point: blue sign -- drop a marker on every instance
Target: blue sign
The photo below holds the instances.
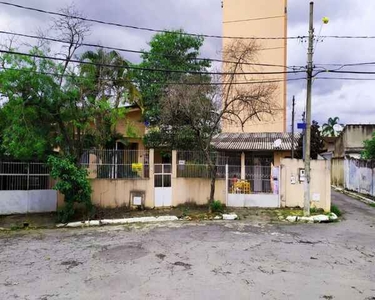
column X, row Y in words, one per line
column 301, row 125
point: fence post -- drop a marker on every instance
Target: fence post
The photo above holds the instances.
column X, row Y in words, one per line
column 243, row 171
column 174, row 163
column 28, row 177
column 226, row 184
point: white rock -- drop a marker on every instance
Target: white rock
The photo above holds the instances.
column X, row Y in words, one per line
column 119, row 221
column 333, row 216
column 320, row 218
column 231, row 216
column 218, row 217
column 291, row 218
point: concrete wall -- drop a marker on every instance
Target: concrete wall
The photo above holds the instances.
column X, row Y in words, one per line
column 271, row 52
column 196, row 190
column 22, row 202
column 292, row 195
column 116, row 193
column 337, row 172
column 360, row 176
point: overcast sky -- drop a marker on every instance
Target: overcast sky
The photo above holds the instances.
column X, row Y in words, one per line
column 352, row 101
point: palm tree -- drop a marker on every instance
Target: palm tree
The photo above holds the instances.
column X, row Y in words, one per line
column 105, row 84
column 110, row 82
column 328, row 129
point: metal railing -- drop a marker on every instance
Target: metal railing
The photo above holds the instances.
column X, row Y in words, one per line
column 193, row 164
column 116, row 164
column 24, row 176
column 257, row 180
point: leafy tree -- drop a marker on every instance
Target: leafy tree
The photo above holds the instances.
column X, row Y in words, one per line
column 328, row 129
column 53, row 106
column 169, row 51
column 317, row 144
column 369, row 151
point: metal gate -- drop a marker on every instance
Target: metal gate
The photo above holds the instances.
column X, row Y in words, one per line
column 255, row 190
column 163, row 185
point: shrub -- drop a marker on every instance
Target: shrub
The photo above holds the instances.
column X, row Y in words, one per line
column 335, row 210
column 73, row 183
column 217, row 206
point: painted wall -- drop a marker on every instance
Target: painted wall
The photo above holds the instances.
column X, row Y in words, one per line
column 116, row 193
column 196, row 190
column 292, row 195
column 22, row 202
column 278, row 156
column 271, row 52
column 337, row 172
column 131, row 125
column 360, row 176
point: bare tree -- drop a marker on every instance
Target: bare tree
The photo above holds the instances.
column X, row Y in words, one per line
column 203, row 103
column 72, row 30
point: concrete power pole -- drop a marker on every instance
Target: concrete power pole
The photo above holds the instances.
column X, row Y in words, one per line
column 306, row 206
column 293, row 106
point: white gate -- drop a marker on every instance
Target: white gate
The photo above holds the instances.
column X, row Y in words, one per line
column 163, row 185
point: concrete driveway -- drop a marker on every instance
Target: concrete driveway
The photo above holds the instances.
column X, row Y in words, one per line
column 195, row 261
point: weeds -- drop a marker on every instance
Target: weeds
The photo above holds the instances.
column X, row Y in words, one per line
column 336, row 210
column 316, row 211
column 217, row 206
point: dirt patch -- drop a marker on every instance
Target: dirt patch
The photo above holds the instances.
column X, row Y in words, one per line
column 123, row 253
column 182, row 264
column 45, row 220
column 161, row 256
column 70, row 264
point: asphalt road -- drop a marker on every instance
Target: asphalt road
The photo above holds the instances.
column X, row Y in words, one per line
column 195, row 261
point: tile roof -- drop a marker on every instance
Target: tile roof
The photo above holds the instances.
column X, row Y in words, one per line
column 254, row 141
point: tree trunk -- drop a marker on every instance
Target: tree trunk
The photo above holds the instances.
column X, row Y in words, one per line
column 212, row 187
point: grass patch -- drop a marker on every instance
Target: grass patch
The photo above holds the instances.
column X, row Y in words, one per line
column 316, row 211
column 217, row 207
column 372, row 204
column 336, row 210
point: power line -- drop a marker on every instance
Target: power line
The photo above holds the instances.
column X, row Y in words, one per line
column 145, row 28
column 146, row 69
column 346, row 78
column 138, row 51
column 348, row 37
column 254, row 19
column 151, row 82
column 351, row 72
column 349, row 64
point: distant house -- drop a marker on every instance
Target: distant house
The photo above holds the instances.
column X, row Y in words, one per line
column 350, row 141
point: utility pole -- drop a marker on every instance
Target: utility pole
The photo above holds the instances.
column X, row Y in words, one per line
column 303, row 135
column 293, row 106
column 306, row 206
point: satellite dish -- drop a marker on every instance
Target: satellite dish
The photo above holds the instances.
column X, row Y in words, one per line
column 277, row 143
column 337, row 128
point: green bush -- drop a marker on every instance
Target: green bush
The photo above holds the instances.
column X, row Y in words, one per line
column 73, row 183
column 217, row 206
column 336, row 211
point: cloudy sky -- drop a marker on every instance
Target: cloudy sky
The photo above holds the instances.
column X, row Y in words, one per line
column 352, row 101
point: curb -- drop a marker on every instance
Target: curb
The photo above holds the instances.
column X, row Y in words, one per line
column 354, row 195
